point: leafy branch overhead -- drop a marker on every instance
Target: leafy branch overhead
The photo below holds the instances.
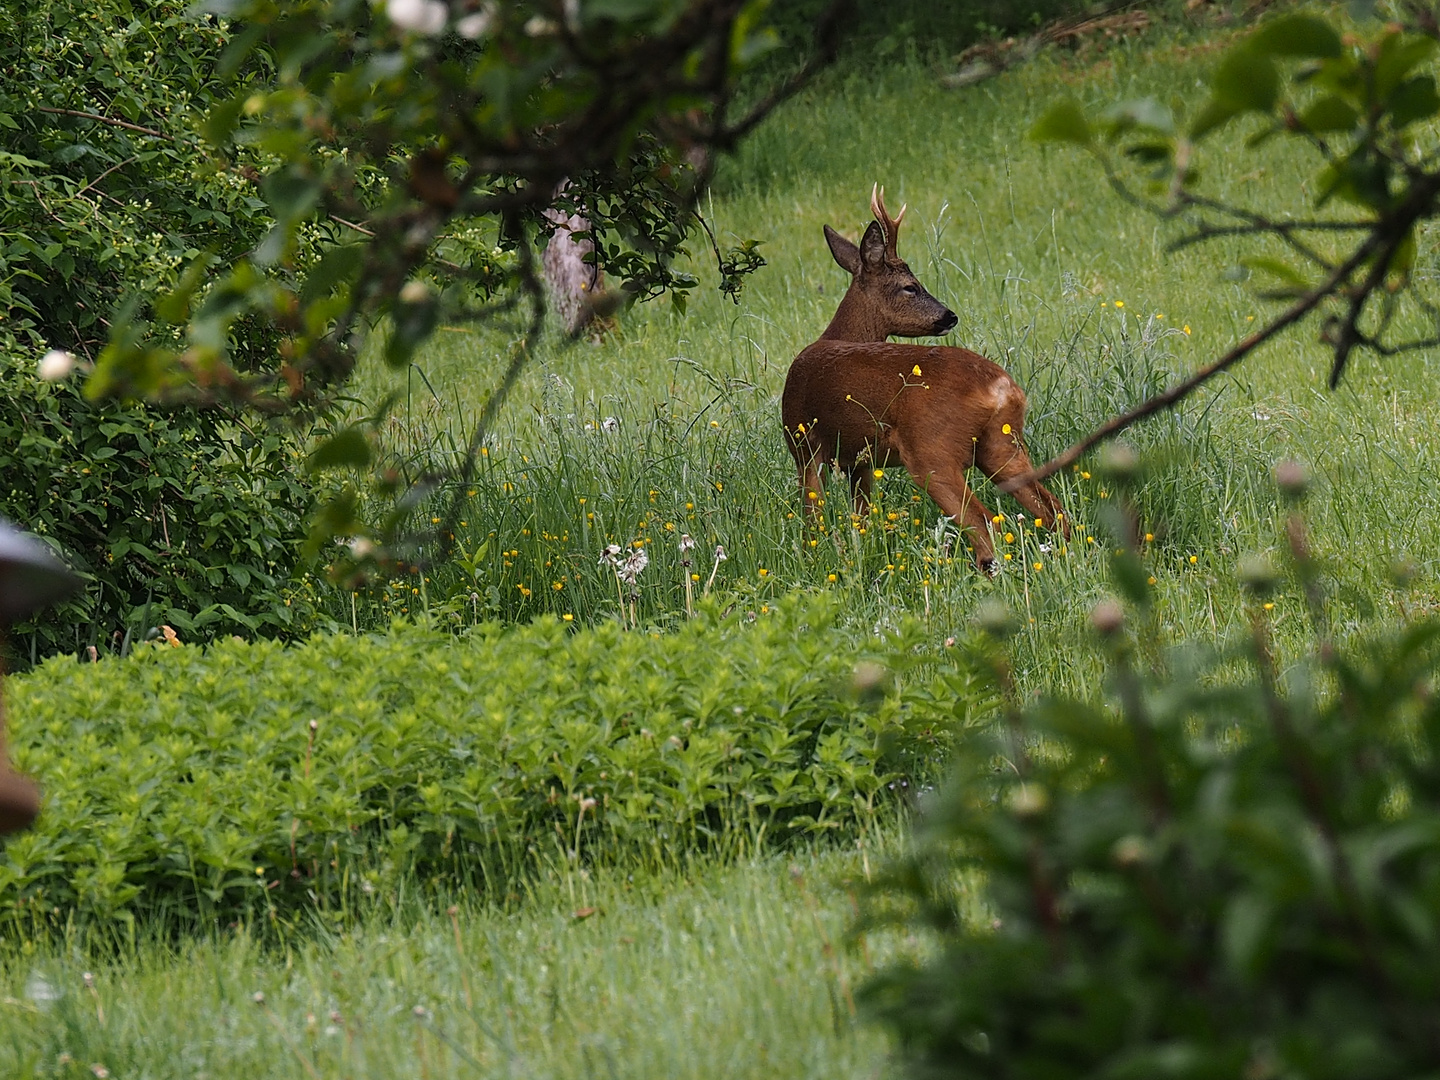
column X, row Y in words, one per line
column 408, row 153
column 1358, row 107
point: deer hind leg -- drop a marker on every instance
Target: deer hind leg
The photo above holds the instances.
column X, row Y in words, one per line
column 1002, row 458
column 952, row 494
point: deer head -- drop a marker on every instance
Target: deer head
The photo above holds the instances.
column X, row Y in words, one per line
column 884, row 299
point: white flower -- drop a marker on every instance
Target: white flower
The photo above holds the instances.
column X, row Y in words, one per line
column 719, row 553
column 477, row 24
column 427, row 17
column 610, row 424
column 609, row 555
column 56, row 365
column 686, row 542
column 633, row 566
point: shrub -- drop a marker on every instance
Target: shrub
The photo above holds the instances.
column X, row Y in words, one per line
column 223, row 781
column 189, row 515
column 108, row 187
column 1217, row 869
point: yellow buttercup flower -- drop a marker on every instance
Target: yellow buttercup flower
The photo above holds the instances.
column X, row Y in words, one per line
column 1005, row 429
column 915, row 370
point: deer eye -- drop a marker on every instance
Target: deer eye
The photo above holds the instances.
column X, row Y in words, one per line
column 909, row 290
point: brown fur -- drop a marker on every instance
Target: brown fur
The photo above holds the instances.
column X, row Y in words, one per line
column 853, row 400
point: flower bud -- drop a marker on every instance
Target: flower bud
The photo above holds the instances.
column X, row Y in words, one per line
column 995, row 619
column 1256, row 574
column 1291, row 479
column 1120, row 462
column 1107, row 617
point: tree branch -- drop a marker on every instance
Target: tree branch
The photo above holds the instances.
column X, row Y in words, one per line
column 107, row 120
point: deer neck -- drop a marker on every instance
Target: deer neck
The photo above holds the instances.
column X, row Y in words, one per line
column 855, row 320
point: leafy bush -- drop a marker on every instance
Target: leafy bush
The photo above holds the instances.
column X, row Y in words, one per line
column 195, row 783
column 109, row 189
column 108, row 186
column 1219, row 868
column 196, row 518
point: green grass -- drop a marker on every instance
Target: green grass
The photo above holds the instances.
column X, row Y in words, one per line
column 736, row 971
column 1035, row 254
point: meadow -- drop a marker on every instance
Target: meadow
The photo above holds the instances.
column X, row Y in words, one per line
column 668, row 425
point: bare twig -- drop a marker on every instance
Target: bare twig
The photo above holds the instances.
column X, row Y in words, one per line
column 107, row 120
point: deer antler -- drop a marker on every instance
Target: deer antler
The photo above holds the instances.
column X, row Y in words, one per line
column 889, row 224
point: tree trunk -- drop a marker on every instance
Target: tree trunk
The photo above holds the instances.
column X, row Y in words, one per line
column 571, row 280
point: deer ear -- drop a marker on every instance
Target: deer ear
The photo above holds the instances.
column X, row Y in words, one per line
column 872, row 247
column 846, row 253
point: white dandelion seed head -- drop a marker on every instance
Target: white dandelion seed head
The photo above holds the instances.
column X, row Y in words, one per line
column 720, row 555
column 424, row 17
column 609, row 425
column 633, row 566
column 56, row 365
column 609, row 555
column 687, row 543
column 41, row 990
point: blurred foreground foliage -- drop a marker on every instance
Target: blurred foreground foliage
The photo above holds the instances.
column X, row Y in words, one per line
column 1219, row 866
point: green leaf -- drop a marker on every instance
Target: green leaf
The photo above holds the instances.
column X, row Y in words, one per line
column 413, row 323
column 337, row 264
column 1330, row 113
column 1299, row 35
column 1215, row 114
column 1146, row 114
column 1414, row 99
column 1398, row 55
column 1247, row 81
column 220, row 121
column 1276, row 268
column 1063, row 122
column 345, row 449
column 1243, row 931
column 174, row 306
column 1403, row 261
column 291, row 193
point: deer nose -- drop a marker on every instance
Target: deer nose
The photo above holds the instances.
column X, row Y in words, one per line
column 946, row 322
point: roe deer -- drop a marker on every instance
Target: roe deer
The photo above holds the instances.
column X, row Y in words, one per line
column 858, row 402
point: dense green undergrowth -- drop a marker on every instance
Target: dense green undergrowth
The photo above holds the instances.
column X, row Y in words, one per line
column 246, row 779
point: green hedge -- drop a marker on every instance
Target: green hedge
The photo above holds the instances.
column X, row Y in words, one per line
column 186, row 782
column 190, row 516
